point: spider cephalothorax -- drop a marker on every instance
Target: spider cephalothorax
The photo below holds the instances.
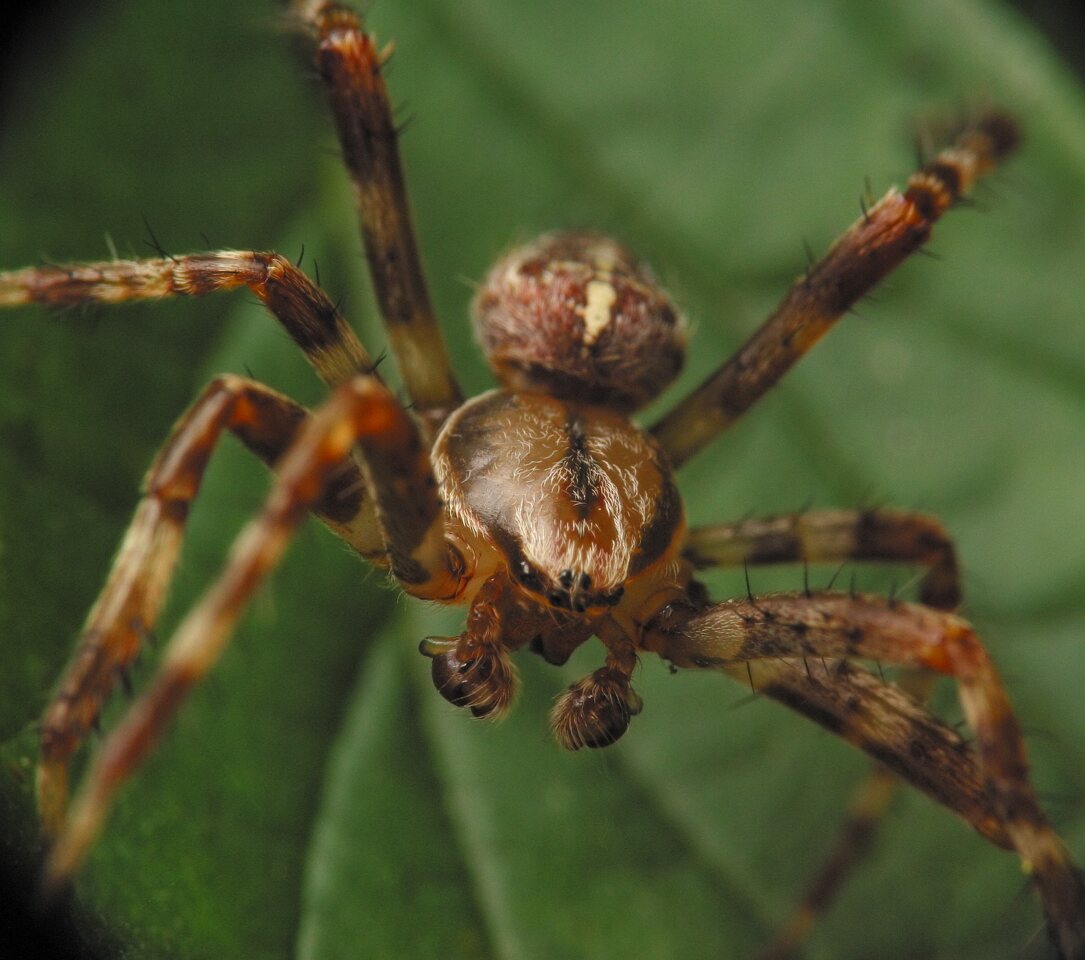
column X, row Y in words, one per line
column 569, row 511
column 541, row 506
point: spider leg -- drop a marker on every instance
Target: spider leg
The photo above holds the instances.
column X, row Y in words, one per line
column 834, row 536
column 772, row 633
column 886, row 234
column 868, row 806
column 350, row 66
column 128, row 607
column 303, row 309
column 361, row 412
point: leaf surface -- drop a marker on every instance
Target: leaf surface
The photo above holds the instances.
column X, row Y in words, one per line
column 316, row 797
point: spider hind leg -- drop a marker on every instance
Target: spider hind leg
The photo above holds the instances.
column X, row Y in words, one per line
column 362, row 412
column 127, row 609
column 991, row 788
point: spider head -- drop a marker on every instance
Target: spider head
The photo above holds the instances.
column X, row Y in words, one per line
column 577, row 316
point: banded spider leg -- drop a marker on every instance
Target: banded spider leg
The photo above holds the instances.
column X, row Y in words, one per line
column 836, row 537
column 799, row 650
column 886, row 234
column 385, row 507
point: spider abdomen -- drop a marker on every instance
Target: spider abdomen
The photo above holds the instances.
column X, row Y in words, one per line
column 576, row 501
column 579, row 316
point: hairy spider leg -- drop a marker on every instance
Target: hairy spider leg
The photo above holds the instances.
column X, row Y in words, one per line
column 129, row 604
column 776, row 631
column 265, row 421
column 350, row 66
column 304, row 310
column 837, row 536
column 886, row 235
column 396, row 521
column 392, row 516
column 361, row 412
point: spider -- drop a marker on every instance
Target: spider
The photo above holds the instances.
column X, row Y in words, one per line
column 561, row 595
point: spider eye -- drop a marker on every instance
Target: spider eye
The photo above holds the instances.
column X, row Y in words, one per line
column 578, row 316
column 528, row 575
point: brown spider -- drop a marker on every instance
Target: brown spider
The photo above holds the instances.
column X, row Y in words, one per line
column 543, row 509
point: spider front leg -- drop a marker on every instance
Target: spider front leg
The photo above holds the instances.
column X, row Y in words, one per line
column 350, row 66
column 361, row 412
column 301, row 307
column 776, row 639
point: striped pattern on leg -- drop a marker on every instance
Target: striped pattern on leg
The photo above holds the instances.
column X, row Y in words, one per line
column 350, row 65
column 876, row 244
column 129, row 604
column 782, row 628
column 363, row 412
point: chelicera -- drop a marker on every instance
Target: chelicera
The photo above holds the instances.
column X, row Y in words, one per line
column 541, row 507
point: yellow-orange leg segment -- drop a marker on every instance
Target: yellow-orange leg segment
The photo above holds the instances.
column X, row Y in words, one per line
column 362, row 411
column 788, row 630
column 350, row 66
column 886, row 235
column 128, row 606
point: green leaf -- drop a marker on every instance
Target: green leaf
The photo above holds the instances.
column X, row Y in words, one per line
column 317, row 797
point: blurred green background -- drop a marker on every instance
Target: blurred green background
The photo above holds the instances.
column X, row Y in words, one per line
column 317, row 798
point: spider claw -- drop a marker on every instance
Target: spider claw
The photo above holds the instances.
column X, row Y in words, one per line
column 436, row 646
